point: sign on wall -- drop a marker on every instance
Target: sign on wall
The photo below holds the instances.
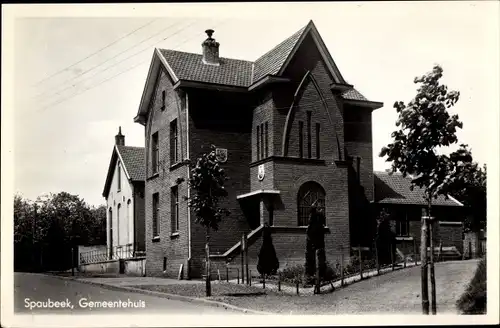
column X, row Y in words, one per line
column 261, row 172
column 221, row 154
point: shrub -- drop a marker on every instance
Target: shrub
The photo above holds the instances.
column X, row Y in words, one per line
column 268, row 261
column 290, row 274
column 473, row 300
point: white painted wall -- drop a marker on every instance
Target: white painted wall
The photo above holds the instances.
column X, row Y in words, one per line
column 122, row 218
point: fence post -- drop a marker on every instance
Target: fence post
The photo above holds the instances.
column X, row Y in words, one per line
column 404, row 260
column 263, row 281
column 238, row 275
column 440, row 250
column 470, row 249
column 376, row 258
column 218, row 273
column 243, row 259
column 341, row 266
column 248, row 273
column 392, row 256
column 297, row 284
column 227, row 274
column 360, row 262
column 279, row 281
column 249, row 278
column 317, row 286
column 415, row 251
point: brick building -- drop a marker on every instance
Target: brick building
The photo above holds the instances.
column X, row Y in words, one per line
column 392, row 193
column 295, row 132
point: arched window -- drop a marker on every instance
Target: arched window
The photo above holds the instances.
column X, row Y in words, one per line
column 129, row 218
column 110, row 240
column 309, row 194
column 118, row 208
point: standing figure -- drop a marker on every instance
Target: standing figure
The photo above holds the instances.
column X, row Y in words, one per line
column 315, row 241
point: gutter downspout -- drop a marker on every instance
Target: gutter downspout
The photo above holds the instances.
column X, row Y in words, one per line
column 188, row 175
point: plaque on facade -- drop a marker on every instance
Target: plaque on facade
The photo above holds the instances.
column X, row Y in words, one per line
column 261, row 172
column 221, row 154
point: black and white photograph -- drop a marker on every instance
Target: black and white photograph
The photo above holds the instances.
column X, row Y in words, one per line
column 248, row 164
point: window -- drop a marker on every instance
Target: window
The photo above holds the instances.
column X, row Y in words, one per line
column 110, row 233
column 266, row 137
column 174, row 209
column 262, row 141
column 309, row 150
column 155, row 156
column 403, row 226
column 310, row 193
column 118, row 209
column 156, row 214
column 163, row 100
column 174, row 153
column 258, row 142
column 301, row 139
column 119, row 177
column 164, row 264
column 317, row 142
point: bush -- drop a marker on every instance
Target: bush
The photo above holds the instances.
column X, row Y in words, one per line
column 290, row 274
column 268, row 262
column 473, row 300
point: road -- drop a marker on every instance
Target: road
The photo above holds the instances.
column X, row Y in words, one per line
column 77, row 298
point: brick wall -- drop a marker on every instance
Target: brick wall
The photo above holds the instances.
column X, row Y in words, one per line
column 172, row 247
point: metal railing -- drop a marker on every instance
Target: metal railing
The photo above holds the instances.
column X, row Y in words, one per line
column 111, row 253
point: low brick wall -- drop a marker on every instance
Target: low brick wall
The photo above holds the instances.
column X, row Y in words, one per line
column 131, row 267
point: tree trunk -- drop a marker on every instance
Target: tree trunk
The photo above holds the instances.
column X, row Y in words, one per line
column 433, row 280
column 207, row 255
column 423, row 259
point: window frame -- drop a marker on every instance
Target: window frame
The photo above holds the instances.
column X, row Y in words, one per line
column 174, row 209
column 155, row 153
column 301, row 139
column 318, row 144
column 156, row 215
column 310, row 188
column 174, row 142
column 258, row 142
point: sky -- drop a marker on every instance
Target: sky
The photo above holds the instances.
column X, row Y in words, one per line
column 79, row 72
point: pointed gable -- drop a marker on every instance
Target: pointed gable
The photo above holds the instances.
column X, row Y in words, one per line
column 133, row 163
column 272, row 61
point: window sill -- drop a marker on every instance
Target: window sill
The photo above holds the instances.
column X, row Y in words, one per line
column 174, row 235
column 156, row 239
column 177, row 165
column 157, row 174
column 404, row 238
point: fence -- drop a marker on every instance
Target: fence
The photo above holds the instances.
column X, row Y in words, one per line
column 362, row 262
column 114, row 253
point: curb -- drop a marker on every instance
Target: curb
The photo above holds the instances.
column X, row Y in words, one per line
column 166, row 295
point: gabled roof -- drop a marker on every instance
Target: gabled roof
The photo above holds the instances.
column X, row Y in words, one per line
column 395, row 189
column 271, row 62
column 188, row 67
column 133, row 162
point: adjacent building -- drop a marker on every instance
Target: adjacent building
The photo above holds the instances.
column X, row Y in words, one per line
column 124, row 193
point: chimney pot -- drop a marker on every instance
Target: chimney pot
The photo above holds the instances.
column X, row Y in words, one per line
column 210, row 49
column 120, row 138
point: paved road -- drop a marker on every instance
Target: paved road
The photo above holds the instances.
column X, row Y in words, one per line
column 41, row 288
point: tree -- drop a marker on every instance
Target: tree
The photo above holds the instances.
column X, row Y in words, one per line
column 46, row 229
column 385, row 237
column 207, row 181
column 268, row 261
column 424, row 127
column 315, row 241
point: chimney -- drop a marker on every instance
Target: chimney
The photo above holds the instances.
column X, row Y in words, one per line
column 210, row 50
column 120, row 138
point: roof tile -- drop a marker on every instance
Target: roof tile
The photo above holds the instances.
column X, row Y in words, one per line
column 395, row 189
column 134, row 161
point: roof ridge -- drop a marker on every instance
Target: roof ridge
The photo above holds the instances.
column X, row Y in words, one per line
column 197, row 54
